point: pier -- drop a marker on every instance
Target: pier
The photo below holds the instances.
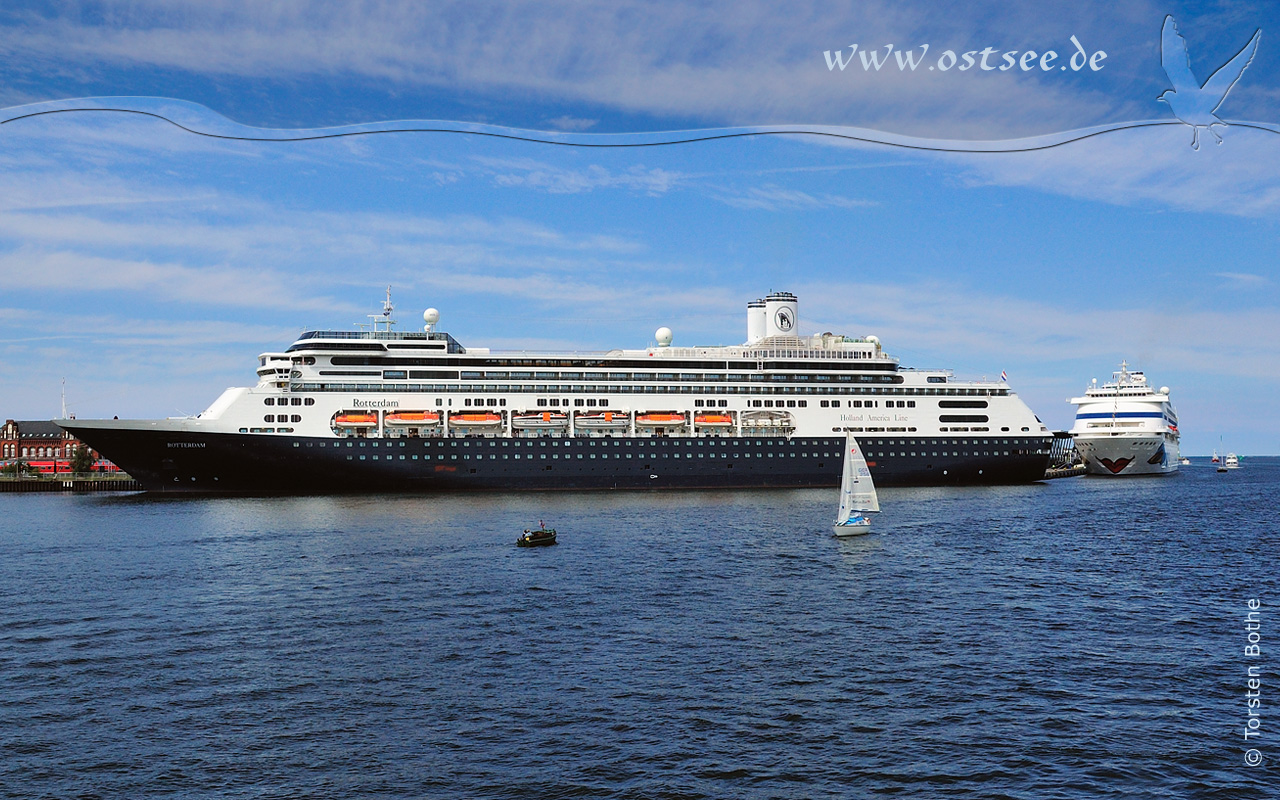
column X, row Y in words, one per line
column 69, row 484
column 1064, row 459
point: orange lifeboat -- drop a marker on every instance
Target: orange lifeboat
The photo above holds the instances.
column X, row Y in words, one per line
column 661, row 418
column 355, row 419
column 713, row 420
column 413, row 418
column 475, row 420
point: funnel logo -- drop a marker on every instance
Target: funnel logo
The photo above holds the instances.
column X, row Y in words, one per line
column 1194, row 103
column 783, row 319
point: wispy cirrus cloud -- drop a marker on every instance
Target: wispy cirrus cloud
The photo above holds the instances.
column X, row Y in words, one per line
column 1242, row 279
column 533, row 174
column 1153, row 167
column 772, row 197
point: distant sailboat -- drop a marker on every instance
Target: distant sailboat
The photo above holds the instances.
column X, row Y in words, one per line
column 857, row 493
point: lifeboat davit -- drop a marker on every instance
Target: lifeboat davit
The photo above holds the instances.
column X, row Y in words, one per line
column 355, row 419
column 663, row 419
column 540, row 419
column 603, row 420
column 767, row 419
column 413, row 418
column 475, row 420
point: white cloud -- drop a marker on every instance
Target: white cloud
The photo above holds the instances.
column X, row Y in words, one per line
column 567, row 123
column 772, row 197
column 533, row 174
column 1242, row 279
column 760, row 63
column 1152, row 166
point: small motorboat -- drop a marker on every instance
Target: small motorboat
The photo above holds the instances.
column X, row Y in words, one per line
column 537, row 538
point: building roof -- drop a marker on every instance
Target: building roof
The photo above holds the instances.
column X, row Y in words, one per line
column 43, row 428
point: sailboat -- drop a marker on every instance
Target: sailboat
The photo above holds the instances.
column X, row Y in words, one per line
column 857, row 493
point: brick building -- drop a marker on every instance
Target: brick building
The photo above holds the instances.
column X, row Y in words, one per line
column 36, row 440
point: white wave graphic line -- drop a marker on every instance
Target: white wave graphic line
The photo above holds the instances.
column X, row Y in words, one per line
column 203, row 121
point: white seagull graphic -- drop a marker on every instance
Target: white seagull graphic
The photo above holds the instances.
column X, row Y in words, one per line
column 1191, row 102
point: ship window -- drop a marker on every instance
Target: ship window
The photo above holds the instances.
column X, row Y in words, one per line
column 269, row 418
column 911, row 404
column 270, row 401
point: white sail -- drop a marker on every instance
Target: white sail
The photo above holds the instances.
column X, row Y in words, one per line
column 857, row 491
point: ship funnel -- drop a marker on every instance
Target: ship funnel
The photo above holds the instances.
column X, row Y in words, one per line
column 755, row 321
column 781, row 314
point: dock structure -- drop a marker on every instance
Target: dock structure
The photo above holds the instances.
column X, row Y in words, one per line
column 1064, row 460
column 70, row 485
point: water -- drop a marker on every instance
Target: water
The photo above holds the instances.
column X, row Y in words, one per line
column 1077, row 638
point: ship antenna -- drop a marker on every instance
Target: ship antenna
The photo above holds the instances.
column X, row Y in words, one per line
column 385, row 317
column 64, row 398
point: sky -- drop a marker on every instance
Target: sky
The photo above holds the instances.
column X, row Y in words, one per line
column 149, row 266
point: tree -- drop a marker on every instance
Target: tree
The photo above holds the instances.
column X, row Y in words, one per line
column 17, row 468
column 82, row 459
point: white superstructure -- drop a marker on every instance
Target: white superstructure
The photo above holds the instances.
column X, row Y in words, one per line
column 1124, row 427
column 777, row 384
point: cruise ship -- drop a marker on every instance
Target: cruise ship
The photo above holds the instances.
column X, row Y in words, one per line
column 381, row 409
column 1125, row 427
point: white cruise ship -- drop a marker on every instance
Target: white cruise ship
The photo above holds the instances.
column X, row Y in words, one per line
column 386, row 410
column 1125, row 427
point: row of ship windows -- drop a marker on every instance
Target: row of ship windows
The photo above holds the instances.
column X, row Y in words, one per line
column 603, row 402
column 758, row 454
column 425, row 444
column 403, row 375
column 518, row 456
column 868, row 403
column 638, row 389
column 282, row 418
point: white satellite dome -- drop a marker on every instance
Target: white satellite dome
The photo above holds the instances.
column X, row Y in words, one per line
column 663, row 336
column 1164, row 390
column 431, row 316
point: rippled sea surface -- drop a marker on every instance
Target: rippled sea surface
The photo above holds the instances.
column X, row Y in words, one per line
column 1078, row 638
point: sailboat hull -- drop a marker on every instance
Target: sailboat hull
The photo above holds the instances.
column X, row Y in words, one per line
column 858, row 529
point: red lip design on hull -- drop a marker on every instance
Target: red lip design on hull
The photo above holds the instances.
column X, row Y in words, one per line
column 1115, row 466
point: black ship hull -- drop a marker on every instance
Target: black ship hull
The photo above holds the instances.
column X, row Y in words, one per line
column 199, row 462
